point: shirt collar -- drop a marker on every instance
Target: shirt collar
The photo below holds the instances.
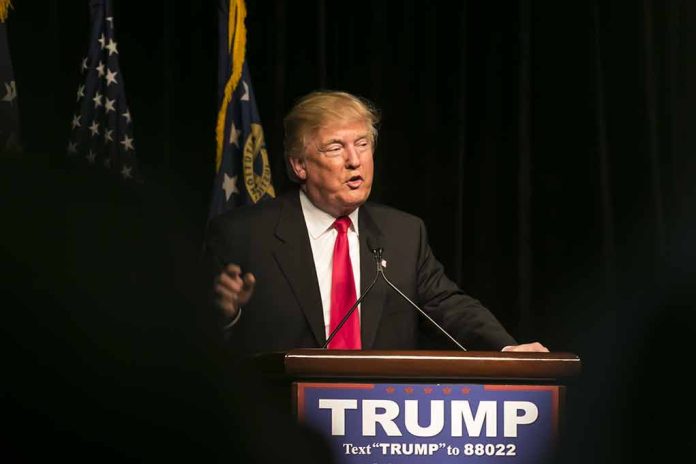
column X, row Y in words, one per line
column 318, row 221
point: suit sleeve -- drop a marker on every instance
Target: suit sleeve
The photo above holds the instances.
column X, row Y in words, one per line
column 464, row 317
column 218, row 252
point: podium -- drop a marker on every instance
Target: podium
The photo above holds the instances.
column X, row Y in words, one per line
column 389, row 407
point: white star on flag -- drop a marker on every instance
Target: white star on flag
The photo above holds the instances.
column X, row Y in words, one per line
column 80, row 92
column 127, row 142
column 10, row 92
column 112, row 47
column 110, row 77
column 229, row 185
column 94, row 128
column 234, row 135
column 109, row 105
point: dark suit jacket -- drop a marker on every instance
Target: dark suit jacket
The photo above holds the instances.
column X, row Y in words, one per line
column 271, row 240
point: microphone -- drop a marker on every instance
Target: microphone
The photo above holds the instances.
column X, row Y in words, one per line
column 377, row 251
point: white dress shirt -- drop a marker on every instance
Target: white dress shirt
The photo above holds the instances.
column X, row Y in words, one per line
column 322, row 236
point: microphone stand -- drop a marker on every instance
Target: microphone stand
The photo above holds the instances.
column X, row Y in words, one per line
column 377, row 253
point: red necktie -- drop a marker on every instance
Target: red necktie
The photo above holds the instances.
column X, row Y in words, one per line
column 343, row 292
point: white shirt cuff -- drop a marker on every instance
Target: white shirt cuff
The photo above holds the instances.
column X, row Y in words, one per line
column 231, row 324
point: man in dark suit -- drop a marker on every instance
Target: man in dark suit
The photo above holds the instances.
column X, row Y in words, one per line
column 307, row 249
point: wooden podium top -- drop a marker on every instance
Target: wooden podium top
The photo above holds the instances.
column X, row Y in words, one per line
column 317, row 363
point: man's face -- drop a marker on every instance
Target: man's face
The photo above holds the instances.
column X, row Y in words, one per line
column 337, row 168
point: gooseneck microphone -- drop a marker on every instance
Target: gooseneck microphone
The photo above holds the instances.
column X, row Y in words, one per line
column 377, row 254
column 377, row 251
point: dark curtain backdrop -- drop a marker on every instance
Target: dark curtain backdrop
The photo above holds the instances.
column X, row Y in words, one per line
column 549, row 147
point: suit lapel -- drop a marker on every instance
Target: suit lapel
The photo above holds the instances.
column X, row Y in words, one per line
column 294, row 256
column 372, row 305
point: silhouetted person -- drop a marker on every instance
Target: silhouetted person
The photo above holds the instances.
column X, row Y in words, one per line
column 108, row 350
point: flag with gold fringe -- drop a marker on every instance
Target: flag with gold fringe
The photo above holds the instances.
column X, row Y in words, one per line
column 9, row 115
column 243, row 172
column 101, row 133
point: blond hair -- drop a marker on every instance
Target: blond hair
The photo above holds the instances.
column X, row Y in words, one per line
column 319, row 108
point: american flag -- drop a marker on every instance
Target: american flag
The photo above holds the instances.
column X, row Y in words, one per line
column 243, row 171
column 101, row 132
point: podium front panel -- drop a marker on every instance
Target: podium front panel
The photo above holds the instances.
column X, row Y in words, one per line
column 393, row 422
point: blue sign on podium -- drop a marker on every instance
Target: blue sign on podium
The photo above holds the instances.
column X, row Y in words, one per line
column 392, row 423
